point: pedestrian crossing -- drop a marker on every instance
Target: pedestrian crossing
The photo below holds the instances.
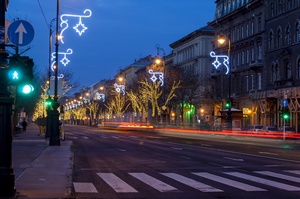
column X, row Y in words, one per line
column 256, row 181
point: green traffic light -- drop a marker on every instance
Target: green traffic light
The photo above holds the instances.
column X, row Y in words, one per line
column 27, row 88
column 227, row 105
column 286, row 116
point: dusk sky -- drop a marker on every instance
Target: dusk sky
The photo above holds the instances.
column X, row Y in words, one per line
column 119, row 31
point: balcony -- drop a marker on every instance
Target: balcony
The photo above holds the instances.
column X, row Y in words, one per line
column 256, row 64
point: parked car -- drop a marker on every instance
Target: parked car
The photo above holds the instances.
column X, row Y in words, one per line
column 270, row 129
column 256, row 128
column 287, row 129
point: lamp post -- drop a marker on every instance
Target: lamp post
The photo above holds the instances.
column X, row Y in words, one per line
column 54, row 138
column 221, row 41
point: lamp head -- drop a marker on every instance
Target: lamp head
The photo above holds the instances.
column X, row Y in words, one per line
column 221, row 39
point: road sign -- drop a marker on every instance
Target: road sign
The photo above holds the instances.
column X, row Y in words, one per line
column 20, row 33
column 284, row 103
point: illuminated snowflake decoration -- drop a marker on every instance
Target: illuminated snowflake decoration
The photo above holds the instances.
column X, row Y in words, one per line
column 58, row 77
column 120, row 88
column 217, row 63
column 79, row 27
column 86, row 100
column 154, row 78
column 100, row 96
column 64, row 60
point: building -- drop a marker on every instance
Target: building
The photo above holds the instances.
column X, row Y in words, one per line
column 264, row 59
column 191, row 55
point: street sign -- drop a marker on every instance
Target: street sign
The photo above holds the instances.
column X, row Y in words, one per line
column 284, row 103
column 20, row 33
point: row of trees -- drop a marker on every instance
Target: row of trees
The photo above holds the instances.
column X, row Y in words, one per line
column 144, row 101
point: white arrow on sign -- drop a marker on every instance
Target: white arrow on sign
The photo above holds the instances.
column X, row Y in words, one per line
column 21, row 29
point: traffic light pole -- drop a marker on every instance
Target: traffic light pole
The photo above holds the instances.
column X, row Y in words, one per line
column 7, row 176
column 55, row 138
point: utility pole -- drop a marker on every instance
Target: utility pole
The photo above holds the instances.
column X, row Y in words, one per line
column 7, row 176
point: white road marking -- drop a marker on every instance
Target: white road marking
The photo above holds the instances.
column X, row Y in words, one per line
column 177, row 148
column 156, row 184
column 264, row 181
column 293, row 171
column 84, row 187
column 268, row 153
column 123, row 150
column 192, row 183
column 229, row 182
column 188, row 158
column 234, row 159
column 278, row 175
column 116, row 183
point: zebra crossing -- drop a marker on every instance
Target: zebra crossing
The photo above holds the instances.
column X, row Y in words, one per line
column 290, row 181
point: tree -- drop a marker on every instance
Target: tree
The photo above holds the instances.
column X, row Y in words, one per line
column 117, row 105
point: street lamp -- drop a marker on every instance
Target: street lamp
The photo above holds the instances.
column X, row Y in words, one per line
column 222, row 40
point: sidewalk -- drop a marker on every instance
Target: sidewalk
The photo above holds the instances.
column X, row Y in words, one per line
column 41, row 171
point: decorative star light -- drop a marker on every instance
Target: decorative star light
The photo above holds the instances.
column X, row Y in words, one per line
column 154, row 78
column 217, row 63
column 120, row 88
column 79, row 27
column 64, row 60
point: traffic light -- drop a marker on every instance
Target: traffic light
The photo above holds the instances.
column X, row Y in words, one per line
column 20, row 73
column 49, row 103
column 285, row 114
column 228, row 104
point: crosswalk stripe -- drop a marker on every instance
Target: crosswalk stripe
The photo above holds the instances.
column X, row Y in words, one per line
column 116, row 183
column 84, row 187
column 229, row 182
column 293, row 171
column 264, row 181
column 278, row 175
column 192, row 183
column 156, row 184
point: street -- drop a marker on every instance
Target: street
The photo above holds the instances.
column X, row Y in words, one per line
column 145, row 164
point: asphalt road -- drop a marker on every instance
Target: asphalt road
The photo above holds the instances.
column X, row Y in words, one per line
column 135, row 164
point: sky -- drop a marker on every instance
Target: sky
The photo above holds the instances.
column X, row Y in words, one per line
column 118, row 31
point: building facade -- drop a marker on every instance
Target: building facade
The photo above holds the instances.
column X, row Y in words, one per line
column 191, row 55
column 264, row 59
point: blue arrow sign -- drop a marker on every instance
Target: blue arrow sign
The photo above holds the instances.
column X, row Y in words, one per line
column 20, row 33
column 284, row 103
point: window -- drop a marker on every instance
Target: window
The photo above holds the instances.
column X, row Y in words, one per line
column 248, row 56
column 259, row 52
column 288, row 70
column 271, row 40
column 247, row 83
column 242, row 32
column 279, row 37
column 259, row 81
column 297, row 33
column 272, row 9
column 259, row 24
column 252, row 82
column 288, row 35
